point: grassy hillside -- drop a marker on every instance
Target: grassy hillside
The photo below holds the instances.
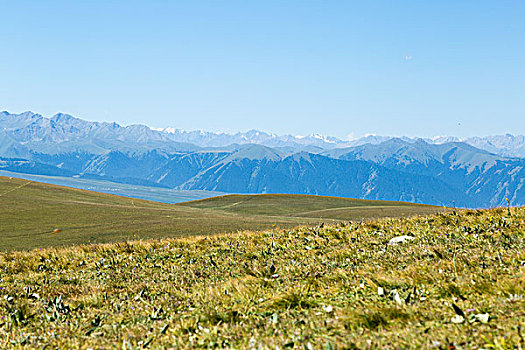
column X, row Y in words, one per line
column 30, row 212
column 460, row 284
column 308, row 206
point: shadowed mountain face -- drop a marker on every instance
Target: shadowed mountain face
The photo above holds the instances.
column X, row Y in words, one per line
column 437, row 172
column 314, row 174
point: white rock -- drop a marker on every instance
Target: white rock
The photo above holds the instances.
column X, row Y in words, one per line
column 400, row 239
column 397, row 299
column 437, row 344
column 483, row 318
column 458, row 319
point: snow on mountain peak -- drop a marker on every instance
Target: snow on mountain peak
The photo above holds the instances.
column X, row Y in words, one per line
column 63, row 126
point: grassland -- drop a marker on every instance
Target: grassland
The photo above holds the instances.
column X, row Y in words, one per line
column 305, row 206
column 30, row 212
column 460, row 284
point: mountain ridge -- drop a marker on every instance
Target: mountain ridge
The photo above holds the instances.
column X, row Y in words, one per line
column 442, row 171
column 506, row 145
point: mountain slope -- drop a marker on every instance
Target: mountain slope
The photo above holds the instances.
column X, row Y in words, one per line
column 439, row 171
column 314, row 174
column 483, row 177
column 64, row 133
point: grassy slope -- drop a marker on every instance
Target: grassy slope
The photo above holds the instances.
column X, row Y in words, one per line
column 30, row 211
column 307, row 287
column 308, row 206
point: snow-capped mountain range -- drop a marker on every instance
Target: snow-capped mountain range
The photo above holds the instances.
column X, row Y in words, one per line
column 475, row 172
column 506, row 145
column 29, row 127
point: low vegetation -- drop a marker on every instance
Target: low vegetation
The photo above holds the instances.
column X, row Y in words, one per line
column 459, row 284
column 30, row 212
column 305, row 206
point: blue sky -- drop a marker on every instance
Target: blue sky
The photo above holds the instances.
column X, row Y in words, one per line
column 415, row 68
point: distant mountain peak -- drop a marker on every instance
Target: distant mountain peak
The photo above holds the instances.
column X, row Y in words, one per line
column 29, row 114
column 479, row 171
column 64, row 125
column 63, row 116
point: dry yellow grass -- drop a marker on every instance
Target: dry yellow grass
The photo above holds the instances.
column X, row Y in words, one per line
column 336, row 286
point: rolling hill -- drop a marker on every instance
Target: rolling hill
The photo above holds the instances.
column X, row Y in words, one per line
column 30, row 212
column 307, row 206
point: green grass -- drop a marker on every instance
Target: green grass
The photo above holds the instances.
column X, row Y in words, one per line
column 308, row 206
column 31, row 211
column 308, row 287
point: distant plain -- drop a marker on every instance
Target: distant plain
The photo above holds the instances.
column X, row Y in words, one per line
column 158, row 194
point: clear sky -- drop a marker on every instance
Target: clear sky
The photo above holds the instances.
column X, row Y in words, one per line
column 415, row 68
